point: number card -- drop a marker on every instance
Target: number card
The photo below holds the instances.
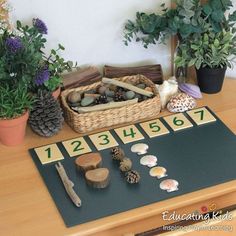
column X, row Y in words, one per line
column 178, row 122
column 77, row 146
column 201, row 116
column 49, row 153
column 129, row 134
column 103, row 140
column 154, row 128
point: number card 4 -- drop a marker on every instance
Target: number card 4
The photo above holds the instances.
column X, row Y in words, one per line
column 129, row 134
column 49, row 153
column 103, row 140
column 154, row 128
column 178, row 122
column 77, row 146
column 201, row 116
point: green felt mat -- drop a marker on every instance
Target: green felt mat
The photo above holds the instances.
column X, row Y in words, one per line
column 197, row 157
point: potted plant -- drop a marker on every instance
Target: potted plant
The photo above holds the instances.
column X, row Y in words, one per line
column 189, row 20
column 211, row 53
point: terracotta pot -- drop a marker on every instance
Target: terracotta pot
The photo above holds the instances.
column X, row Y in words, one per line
column 12, row 131
column 56, row 93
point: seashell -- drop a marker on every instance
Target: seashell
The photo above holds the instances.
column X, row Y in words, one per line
column 87, row 101
column 169, row 185
column 167, row 90
column 181, row 102
column 110, row 93
column 191, row 89
column 158, row 172
column 148, row 160
column 139, row 148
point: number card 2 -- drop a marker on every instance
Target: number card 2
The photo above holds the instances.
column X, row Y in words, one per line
column 103, row 140
column 77, row 146
column 178, row 122
column 201, row 116
column 129, row 134
column 49, row 153
column 154, row 128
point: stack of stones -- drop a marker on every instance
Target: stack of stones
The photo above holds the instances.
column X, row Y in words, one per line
column 104, row 94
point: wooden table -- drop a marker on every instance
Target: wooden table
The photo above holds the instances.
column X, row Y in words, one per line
column 26, row 207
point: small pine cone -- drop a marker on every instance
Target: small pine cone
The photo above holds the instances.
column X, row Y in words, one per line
column 119, row 96
column 132, row 177
column 125, row 165
column 117, row 154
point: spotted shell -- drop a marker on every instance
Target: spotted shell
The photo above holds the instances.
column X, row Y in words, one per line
column 170, row 185
column 181, row 102
column 148, row 160
column 158, row 172
column 139, row 148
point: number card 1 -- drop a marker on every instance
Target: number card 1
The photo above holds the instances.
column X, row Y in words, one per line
column 77, row 146
column 129, row 134
column 49, row 153
column 178, row 122
column 103, row 140
column 154, row 128
column 201, row 116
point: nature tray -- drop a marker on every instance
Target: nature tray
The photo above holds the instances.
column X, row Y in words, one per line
column 197, row 157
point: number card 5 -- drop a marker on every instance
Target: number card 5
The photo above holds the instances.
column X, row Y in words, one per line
column 201, row 116
column 49, row 153
column 77, row 146
column 154, row 128
column 178, row 122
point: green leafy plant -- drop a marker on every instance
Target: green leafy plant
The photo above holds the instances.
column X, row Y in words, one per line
column 210, row 49
column 14, row 101
column 188, row 21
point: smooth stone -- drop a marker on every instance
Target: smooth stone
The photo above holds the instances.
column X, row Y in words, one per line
column 109, row 99
column 191, row 89
column 102, row 89
column 139, row 96
column 181, row 102
column 142, row 86
column 148, row 89
column 75, row 104
column 74, row 97
column 87, row 101
column 129, row 95
column 110, row 93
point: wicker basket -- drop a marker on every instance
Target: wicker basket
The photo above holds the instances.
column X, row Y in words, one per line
column 92, row 121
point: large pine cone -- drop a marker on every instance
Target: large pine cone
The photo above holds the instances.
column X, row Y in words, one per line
column 46, row 117
column 132, row 177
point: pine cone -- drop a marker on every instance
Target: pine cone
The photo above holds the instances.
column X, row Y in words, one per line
column 46, row 116
column 132, row 177
column 117, row 154
column 119, row 96
column 125, row 165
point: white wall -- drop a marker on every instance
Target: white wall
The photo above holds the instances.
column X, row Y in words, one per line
column 91, row 30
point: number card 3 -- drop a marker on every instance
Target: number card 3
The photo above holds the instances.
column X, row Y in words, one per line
column 103, row 140
column 49, row 153
column 77, row 146
column 154, row 128
column 201, row 116
column 129, row 134
column 178, row 122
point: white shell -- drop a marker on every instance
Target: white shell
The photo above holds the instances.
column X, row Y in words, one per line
column 167, row 90
column 139, row 148
column 170, row 185
column 181, row 102
column 148, row 160
column 158, row 172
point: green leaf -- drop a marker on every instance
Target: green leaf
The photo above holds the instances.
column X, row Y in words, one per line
column 61, row 47
column 207, row 9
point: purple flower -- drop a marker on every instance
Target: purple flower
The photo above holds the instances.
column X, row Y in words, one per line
column 42, row 75
column 13, row 44
column 40, row 26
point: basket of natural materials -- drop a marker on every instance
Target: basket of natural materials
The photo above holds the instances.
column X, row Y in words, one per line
column 110, row 102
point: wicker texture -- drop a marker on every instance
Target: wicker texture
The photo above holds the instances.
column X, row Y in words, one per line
column 92, row 121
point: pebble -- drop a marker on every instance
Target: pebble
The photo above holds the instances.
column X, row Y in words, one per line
column 181, row 102
column 109, row 99
column 148, row 89
column 129, row 95
column 102, row 89
column 87, row 101
column 75, row 104
column 142, row 86
column 74, row 97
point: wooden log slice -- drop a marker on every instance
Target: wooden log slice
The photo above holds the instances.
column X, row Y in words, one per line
column 98, row 178
column 88, row 161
